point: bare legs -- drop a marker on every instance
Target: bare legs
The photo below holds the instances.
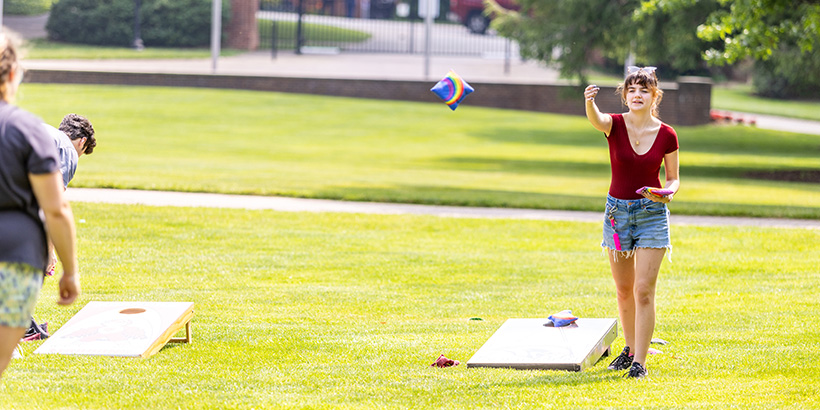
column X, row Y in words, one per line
column 9, row 337
column 635, row 279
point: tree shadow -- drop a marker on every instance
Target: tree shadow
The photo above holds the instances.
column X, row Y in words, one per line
column 700, row 139
column 443, row 195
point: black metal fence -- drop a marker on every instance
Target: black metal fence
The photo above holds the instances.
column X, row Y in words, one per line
column 372, row 26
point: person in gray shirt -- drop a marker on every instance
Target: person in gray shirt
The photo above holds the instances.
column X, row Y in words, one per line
column 74, row 138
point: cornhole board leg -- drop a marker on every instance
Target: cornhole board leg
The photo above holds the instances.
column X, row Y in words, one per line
column 528, row 344
column 126, row 329
column 187, row 338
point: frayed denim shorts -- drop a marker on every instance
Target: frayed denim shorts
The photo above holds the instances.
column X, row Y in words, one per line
column 635, row 223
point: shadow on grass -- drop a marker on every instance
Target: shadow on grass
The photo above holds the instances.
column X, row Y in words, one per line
column 702, row 139
column 519, row 166
column 579, row 168
column 599, row 373
column 436, row 195
column 560, row 135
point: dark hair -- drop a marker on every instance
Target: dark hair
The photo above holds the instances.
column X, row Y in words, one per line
column 76, row 127
column 644, row 79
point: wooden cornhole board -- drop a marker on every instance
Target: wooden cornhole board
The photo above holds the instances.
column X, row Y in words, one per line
column 528, row 344
column 126, row 329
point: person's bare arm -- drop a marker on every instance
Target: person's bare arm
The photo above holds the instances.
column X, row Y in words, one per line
column 672, row 170
column 601, row 122
column 48, row 189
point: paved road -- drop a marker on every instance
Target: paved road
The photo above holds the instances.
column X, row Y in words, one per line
column 284, row 204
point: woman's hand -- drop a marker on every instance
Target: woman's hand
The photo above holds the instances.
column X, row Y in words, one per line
column 601, row 122
column 69, row 289
column 656, row 198
column 590, row 92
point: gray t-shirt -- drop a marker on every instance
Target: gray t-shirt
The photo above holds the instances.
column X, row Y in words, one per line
column 68, row 155
column 25, row 148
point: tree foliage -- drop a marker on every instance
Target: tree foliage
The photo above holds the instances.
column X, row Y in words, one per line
column 570, row 32
column 758, row 28
column 567, row 32
column 668, row 37
column 25, row 7
column 681, row 36
column 779, row 35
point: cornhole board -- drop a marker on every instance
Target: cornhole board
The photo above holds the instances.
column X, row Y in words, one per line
column 528, row 344
column 125, row 329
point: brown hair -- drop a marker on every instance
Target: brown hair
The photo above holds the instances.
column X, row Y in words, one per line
column 76, row 127
column 8, row 64
column 644, row 78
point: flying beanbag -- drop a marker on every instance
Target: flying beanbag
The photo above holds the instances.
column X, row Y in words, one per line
column 452, row 89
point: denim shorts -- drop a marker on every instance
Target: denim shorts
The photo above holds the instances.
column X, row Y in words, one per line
column 638, row 223
column 19, row 287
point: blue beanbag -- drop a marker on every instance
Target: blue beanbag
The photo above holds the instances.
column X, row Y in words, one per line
column 563, row 318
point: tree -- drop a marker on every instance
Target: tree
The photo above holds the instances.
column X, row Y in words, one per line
column 669, row 37
column 567, row 32
column 779, row 35
column 570, row 32
column 758, row 28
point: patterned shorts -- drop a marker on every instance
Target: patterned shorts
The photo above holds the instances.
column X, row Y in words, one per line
column 19, row 287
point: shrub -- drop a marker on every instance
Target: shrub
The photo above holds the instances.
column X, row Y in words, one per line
column 26, row 7
column 788, row 73
column 164, row 23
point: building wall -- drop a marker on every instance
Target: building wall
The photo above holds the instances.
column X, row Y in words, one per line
column 686, row 102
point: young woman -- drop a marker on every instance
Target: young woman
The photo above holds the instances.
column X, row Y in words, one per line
column 31, row 203
column 636, row 221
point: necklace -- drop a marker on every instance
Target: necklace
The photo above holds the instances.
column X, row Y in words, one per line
column 637, row 142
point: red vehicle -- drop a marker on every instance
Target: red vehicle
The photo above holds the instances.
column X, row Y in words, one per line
column 471, row 13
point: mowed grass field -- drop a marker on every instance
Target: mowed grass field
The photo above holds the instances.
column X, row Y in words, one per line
column 304, row 310
column 341, row 148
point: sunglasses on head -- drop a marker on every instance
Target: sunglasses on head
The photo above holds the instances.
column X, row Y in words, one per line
column 634, row 69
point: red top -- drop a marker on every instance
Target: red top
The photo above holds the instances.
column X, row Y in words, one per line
column 631, row 171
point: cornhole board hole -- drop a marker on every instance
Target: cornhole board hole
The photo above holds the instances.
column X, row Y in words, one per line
column 528, row 344
column 125, row 329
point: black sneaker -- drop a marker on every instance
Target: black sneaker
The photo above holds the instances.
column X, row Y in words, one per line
column 622, row 362
column 637, row 371
column 36, row 332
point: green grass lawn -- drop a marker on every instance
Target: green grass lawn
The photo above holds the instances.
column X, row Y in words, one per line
column 303, row 310
column 313, row 34
column 247, row 142
column 42, row 49
column 741, row 98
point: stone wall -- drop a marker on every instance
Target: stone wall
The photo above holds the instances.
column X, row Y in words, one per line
column 684, row 103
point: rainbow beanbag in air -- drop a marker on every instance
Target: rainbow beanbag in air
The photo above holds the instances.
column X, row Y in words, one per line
column 563, row 318
column 452, row 89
